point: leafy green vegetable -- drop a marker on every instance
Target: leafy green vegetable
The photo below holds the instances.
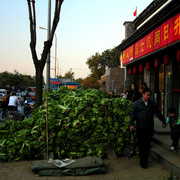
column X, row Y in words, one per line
column 77, row 127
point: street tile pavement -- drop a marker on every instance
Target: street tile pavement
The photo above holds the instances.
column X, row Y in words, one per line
column 119, row 169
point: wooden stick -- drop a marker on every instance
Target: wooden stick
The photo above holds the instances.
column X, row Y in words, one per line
column 107, row 124
column 47, row 128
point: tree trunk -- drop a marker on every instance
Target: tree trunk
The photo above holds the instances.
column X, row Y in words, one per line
column 39, row 64
column 39, row 86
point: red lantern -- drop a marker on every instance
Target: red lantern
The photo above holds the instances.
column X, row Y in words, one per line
column 141, row 68
column 166, row 60
column 156, row 63
column 130, row 71
column 148, row 66
column 135, row 70
column 178, row 56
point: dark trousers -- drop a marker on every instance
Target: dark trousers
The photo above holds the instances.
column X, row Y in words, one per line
column 144, row 137
column 4, row 111
column 175, row 138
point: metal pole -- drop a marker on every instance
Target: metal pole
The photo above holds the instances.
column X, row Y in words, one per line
column 48, row 58
column 55, row 52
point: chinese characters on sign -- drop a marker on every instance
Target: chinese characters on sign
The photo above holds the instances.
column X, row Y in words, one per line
column 162, row 36
column 128, row 54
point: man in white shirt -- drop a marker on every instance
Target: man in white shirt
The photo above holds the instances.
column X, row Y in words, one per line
column 13, row 102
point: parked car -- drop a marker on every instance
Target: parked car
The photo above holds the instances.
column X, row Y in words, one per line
column 4, row 91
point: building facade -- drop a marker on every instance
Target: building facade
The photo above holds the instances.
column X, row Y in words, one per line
column 112, row 80
column 151, row 53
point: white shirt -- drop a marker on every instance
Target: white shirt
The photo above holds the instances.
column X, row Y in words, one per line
column 13, row 101
column 146, row 103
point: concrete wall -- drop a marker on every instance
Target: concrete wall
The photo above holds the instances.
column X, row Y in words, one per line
column 114, row 80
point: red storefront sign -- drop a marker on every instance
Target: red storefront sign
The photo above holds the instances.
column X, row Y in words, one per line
column 128, row 54
column 162, row 36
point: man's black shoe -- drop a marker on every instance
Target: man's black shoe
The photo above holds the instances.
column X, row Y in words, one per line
column 144, row 166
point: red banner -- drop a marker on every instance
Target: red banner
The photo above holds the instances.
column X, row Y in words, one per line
column 128, row 54
column 176, row 27
column 162, row 36
column 167, row 32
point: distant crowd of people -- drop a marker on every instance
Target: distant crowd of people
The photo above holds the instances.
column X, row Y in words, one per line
column 10, row 102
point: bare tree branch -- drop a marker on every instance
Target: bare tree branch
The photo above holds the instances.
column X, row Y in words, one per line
column 56, row 17
column 32, row 19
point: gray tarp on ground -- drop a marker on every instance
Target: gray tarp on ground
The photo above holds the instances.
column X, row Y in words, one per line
column 83, row 166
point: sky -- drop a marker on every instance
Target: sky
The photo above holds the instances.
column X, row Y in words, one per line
column 85, row 27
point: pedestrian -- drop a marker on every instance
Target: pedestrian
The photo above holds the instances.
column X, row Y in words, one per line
column 143, row 85
column 134, row 93
column 5, row 102
column 143, row 111
column 13, row 102
column 174, row 121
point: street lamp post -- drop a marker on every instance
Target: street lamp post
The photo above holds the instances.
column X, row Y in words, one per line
column 48, row 58
column 55, row 54
column 56, row 67
column 55, row 50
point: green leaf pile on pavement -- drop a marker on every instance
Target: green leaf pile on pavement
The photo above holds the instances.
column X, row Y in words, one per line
column 77, row 127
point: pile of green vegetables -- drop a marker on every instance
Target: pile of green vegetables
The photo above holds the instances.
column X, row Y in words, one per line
column 77, row 123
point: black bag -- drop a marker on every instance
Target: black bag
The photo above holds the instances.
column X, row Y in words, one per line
column 130, row 150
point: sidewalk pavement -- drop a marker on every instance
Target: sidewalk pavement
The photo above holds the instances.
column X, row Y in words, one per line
column 122, row 168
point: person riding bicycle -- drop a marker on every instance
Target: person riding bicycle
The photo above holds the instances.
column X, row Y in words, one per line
column 13, row 102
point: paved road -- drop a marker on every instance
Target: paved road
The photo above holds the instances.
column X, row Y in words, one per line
column 119, row 169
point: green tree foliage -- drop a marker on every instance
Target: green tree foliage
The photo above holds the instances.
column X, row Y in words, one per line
column 59, row 76
column 79, row 80
column 16, row 79
column 90, row 82
column 69, row 74
column 98, row 62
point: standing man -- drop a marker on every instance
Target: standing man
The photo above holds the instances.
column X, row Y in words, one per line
column 143, row 111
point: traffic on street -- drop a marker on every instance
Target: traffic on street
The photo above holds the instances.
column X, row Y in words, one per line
column 17, row 106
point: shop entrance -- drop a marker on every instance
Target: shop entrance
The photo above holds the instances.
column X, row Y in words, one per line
column 161, row 89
